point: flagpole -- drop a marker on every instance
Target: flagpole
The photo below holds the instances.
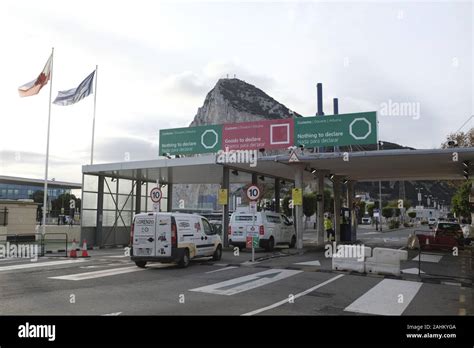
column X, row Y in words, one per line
column 93, row 119
column 45, row 195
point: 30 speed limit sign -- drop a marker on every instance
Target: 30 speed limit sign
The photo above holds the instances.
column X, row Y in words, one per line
column 253, row 193
column 155, row 195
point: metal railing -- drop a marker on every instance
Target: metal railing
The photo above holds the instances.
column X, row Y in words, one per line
column 43, row 243
column 444, row 261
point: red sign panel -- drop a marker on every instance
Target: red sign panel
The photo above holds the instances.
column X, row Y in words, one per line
column 269, row 134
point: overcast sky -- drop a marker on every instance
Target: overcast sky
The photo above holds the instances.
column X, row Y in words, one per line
column 158, row 60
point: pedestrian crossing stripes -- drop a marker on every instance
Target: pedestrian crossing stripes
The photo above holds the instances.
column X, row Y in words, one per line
column 389, row 297
column 98, row 274
column 39, row 264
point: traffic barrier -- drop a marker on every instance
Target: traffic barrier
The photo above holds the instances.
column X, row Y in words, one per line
column 73, row 252
column 84, row 249
column 343, row 263
column 385, row 261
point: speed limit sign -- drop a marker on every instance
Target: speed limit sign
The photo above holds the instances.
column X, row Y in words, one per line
column 155, row 195
column 253, row 193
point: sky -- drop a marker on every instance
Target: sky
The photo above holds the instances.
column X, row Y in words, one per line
column 412, row 62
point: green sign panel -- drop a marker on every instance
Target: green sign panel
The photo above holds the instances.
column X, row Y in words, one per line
column 192, row 140
column 336, row 130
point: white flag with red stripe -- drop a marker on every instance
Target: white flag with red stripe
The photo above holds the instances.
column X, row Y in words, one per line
column 33, row 87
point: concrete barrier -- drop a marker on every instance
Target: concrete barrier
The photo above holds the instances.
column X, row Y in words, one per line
column 385, row 261
column 344, row 263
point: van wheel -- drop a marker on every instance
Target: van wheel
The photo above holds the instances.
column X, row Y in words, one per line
column 184, row 262
column 140, row 264
column 217, row 254
column 293, row 242
column 270, row 244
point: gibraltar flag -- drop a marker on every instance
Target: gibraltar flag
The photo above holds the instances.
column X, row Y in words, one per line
column 33, row 87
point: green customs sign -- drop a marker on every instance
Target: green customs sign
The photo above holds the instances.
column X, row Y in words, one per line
column 191, row 140
column 336, row 130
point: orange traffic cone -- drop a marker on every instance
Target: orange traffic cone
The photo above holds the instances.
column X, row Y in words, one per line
column 73, row 252
column 84, row 249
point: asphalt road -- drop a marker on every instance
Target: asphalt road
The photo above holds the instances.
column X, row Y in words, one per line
column 108, row 283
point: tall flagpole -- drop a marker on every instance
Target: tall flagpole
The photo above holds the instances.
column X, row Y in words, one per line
column 93, row 119
column 45, row 195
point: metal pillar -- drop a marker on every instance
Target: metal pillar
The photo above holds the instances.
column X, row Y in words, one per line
column 138, row 197
column 169, row 200
column 337, row 207
column 225, row 210
column 320, row 209
column 350, row 203
column 299, row 209
column 254, row 179
column 277, row 195
column 100, row 211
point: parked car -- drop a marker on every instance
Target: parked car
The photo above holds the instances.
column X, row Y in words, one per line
column 366, row 220
column 172, row 237
column 445, row 235
column 431, row 222
column 272, row 228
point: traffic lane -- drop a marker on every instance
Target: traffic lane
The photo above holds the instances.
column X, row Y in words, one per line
column 441, row 299
column 157, row 291
column 330, row 299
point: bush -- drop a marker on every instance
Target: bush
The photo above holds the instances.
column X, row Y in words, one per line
column 406, row 224
column 393, row 224
column 412, row 214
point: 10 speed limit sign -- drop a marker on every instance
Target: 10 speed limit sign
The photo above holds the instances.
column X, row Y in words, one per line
column 253, row 193
column 155, row 195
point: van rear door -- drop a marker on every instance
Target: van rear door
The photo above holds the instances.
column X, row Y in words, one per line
column 163, row 236
column 144, row 235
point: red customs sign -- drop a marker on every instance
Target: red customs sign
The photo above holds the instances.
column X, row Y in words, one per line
column 269, row 134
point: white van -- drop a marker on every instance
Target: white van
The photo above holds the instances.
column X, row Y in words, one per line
column 273, row 228
column 172, row 237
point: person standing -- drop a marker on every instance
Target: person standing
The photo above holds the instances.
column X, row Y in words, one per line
column 329, row 227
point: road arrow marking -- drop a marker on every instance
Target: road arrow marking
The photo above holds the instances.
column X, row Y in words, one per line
column 309, row 263
column 236, row 285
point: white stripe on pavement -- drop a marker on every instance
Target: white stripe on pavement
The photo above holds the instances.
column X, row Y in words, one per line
column 309, row 263
column 282, row 302
column 98, row 274
column 40, row 264
column 240, row 284
column 112, row 314
column 428, row 258
column 222, row 269
column 389, row 297
column 411, row 271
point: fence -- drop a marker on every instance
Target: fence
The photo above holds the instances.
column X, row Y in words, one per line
column 445, row 259
column 53, row 244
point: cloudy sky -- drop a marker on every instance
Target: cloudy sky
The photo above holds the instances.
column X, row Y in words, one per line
column 157, row 61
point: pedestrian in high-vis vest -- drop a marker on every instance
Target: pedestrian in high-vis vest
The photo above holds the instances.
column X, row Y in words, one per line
column 329, row 228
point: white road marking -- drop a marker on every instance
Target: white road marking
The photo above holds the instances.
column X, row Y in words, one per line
column 249, row 263
column 112, row 314
column 385, row 299
column 411, row 271
column 99, row 274
column 236, row 285
column 39, row 264
column 309, row 263
column 222, row 269
column 428, row 258
column 282, row 302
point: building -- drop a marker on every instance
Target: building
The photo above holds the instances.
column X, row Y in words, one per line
column 15, row 188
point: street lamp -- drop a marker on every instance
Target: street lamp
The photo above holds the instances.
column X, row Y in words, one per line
column 419, row 194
